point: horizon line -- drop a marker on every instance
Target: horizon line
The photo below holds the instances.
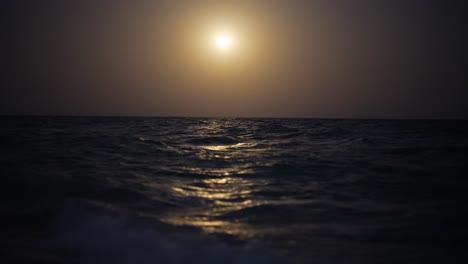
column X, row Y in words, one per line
column 231, row 117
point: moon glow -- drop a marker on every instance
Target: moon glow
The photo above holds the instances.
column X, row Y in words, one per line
column 223, row 42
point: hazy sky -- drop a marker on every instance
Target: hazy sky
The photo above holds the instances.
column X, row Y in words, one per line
column 359, row 59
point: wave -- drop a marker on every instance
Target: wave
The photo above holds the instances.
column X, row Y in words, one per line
column 99, row 237
column 219, row 140
column 239, row 178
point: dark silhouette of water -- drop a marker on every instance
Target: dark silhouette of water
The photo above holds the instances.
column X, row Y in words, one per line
column 184, row 190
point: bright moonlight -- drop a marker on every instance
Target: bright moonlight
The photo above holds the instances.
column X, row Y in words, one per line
column 223, row 42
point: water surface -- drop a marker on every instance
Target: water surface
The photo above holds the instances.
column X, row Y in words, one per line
column 181, row 190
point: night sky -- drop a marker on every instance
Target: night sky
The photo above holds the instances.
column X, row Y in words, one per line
column 317, row 59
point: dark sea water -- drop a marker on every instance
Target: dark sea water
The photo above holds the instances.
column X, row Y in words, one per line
column 194, row 190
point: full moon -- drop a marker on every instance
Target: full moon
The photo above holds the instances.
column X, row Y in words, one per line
column 223, row 41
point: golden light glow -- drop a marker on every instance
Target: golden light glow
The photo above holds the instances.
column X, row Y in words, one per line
column 223, row 41
column 223, row 51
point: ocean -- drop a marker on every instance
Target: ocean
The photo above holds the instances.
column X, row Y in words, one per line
column 233, row 190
